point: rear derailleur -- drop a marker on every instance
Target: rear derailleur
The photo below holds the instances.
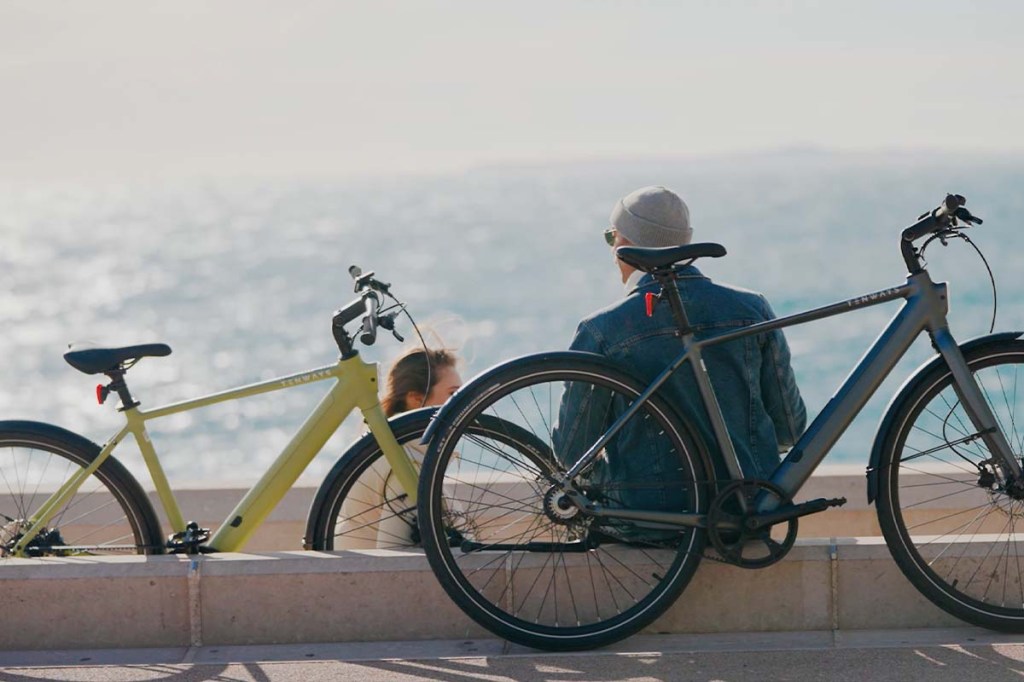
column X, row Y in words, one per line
column 47, row 542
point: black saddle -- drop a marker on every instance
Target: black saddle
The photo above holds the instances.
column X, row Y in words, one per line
column 660, row 258
column 103, row 360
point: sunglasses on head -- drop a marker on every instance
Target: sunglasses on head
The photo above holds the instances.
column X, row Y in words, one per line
column 609, row 235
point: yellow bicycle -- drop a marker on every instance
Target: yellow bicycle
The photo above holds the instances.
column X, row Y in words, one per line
column 61, row 494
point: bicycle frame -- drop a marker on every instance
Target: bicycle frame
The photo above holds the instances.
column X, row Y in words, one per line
column 355, row 387
column 924, row 310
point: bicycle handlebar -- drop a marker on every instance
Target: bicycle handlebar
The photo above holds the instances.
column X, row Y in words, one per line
column 940, row 219
column 937, row 218
column 368, row 305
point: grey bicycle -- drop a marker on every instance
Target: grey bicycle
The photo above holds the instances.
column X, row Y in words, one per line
column 568, row 546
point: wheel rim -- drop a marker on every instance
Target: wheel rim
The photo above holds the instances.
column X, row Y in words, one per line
column 501, row 500
column 957, row 521
column 96, row 520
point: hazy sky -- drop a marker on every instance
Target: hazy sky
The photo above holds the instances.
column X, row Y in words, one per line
column 205, row 88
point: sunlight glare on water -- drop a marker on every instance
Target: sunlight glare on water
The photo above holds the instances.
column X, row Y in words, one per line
column 240, row 278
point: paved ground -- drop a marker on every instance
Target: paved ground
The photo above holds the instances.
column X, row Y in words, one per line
column 933, row 655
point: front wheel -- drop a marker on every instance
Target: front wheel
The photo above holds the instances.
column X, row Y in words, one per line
column 514, row 552
column 361, row 504
column 953, row 525
column 109, row 513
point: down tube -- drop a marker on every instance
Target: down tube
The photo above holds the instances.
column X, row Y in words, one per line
column 286, row 469
column 857, row 389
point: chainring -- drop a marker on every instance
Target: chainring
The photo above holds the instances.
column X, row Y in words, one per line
column 733, row 539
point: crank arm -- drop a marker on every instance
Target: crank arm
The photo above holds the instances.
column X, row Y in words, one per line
column 792, row 511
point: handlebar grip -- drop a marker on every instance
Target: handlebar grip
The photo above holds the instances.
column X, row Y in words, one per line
column 369, row 332
column 950, row 204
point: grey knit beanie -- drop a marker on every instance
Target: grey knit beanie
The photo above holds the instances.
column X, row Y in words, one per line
column 653, row 216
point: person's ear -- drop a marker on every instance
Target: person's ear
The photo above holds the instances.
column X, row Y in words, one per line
column 414, row 400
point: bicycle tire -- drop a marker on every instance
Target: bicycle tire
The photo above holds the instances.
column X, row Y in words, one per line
column 360, row 504
column 109, row 513
column 524, row 565
column 953, row 533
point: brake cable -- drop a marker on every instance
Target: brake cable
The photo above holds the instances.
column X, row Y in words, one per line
column 943, row 236
column 423, row 342
column 991, row 278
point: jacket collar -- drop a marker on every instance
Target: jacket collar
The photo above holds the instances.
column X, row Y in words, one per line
column 638, row 279
column 634, row 280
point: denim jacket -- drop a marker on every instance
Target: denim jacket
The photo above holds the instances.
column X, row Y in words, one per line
column 751, row 376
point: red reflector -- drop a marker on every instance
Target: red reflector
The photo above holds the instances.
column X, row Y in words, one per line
column 649, row 299
column 101, row 393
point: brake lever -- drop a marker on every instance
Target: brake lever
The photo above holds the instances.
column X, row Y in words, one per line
column 963, row 214
column 388, row 322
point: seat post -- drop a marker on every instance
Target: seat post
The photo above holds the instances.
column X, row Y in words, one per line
column 119, row 386
column 667, row 280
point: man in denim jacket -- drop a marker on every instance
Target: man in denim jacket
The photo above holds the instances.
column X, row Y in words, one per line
column 752, row 376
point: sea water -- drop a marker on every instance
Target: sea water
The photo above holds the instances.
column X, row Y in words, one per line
column 240, row 278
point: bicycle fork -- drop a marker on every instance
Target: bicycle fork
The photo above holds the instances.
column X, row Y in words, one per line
column 978, row 409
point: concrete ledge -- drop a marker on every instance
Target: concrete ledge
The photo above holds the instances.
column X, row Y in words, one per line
column 130, row 601
column 380, row 595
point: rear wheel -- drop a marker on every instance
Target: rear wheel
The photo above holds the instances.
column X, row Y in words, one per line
column 514, row 552
column 953, row 525
column 109, row 513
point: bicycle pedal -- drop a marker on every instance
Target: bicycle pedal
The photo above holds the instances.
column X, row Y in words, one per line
column 188, row 541
column 820, row 504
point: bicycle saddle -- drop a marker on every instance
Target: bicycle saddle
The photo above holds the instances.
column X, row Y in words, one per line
column 102, row 360
column 657, row 258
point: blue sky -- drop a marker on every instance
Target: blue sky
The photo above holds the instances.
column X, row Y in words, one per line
column 127, row 89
